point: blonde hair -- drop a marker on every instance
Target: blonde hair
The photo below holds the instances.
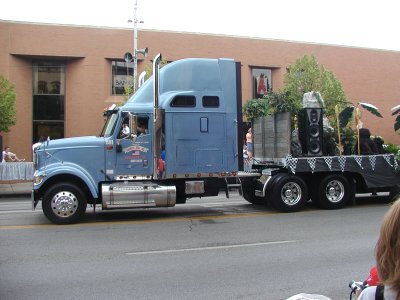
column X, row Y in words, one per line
column 388, row 248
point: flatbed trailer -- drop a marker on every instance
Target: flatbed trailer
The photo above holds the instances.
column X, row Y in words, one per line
column 289, row 179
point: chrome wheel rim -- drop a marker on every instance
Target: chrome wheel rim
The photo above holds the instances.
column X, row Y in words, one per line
column 334, row 191
column 291, row 193
column 64, row 204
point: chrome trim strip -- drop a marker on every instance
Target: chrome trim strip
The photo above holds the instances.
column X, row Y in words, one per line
column 139, row 177
column 203, row 175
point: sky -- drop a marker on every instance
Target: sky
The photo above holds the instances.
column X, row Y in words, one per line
column 359, row 23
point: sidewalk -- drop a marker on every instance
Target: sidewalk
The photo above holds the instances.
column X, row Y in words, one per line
column 15, row 188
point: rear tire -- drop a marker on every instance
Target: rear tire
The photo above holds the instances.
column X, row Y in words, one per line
column 289, row 193
column 64, row 203
column 334, row 192
column 249, row 194
column 394, row 192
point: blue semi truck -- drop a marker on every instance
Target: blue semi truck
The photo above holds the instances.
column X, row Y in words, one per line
column 184, row 139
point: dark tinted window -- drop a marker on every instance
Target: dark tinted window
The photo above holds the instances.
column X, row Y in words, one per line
column 48, row 99
column 184, row 101
column 210, row 101
column 48, row 107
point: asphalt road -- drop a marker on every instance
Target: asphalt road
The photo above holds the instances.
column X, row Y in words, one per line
column 213, row 248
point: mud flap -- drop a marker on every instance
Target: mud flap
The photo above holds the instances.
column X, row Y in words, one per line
column 34, row 200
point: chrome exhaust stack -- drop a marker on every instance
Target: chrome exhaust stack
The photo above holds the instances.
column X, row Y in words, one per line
column 157, row 136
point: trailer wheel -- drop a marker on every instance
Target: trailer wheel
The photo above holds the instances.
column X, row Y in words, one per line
column 64, row 203
column 394, row 192
column 289, row 193
column 333, row 192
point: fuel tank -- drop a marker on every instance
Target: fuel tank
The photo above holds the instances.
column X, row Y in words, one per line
column 137, row 195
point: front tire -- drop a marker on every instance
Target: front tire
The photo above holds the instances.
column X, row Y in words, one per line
column 64, row 203
column 289, row 193
column 333, row 192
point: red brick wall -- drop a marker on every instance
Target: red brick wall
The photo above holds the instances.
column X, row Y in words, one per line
column 367, row 75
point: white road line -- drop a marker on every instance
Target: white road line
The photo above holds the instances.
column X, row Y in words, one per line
column 219, row 205
column 208, row 248
column 210, row 204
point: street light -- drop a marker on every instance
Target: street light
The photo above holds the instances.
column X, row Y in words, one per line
column 143, row 51
column 128, row 57
column 135, row 49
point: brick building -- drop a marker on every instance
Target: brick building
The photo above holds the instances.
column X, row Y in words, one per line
column 66, row 75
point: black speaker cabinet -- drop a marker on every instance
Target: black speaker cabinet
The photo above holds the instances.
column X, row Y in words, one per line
column 311, row 131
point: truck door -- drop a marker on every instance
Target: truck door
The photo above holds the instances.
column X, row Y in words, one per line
column 133, row 151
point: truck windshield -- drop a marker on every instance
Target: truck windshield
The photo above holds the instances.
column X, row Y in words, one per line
column 109, row 126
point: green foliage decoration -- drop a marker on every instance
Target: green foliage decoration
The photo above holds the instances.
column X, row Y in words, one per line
column 255, row 108
column 396, row 111
column 393, row 149
column 345, row 116
column 371, row 108
column 274, row 102
column 7, row 104
column 348, row 137
column 307, row 75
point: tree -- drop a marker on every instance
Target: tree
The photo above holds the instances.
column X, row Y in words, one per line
column 128, row 89
column 149, row 68
column 307, row 75
column 7, row 104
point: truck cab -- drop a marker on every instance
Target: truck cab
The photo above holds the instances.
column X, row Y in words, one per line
column 182, row 141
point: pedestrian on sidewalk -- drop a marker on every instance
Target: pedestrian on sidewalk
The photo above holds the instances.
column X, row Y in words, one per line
column 8, row 156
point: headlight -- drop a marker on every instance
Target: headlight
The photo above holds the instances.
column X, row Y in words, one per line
column 37, row 179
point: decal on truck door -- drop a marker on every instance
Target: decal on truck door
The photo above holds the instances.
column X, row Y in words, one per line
column 136, row 154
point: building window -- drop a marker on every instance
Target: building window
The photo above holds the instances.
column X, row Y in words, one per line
column 48, row 100
column 261, row 82
column 122, row 74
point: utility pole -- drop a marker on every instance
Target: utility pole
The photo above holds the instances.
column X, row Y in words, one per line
column 135, row 48
column 128, row 56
